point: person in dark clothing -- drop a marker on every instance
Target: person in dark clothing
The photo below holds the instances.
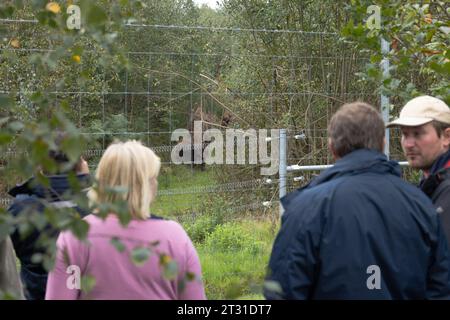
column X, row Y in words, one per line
column 425, row 125
column 30, row 198
column 358, row 231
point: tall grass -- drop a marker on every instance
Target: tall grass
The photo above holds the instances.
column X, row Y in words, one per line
column 234, row 259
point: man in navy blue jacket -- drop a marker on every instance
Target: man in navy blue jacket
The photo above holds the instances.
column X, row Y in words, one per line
column 30, row 199
column 358, row 231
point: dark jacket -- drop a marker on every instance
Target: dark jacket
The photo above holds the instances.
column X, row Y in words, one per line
column 354, row 216
column 437, row 187
column 31, row 198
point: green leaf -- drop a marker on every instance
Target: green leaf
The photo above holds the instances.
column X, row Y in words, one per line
column 39, row 221
column 79, row 228
column 140, row 255
column 87, row 283
column 373, row 72
column 120, row 207
column 115, row 241
column 182, row 284
column 48, row 262
column 53, row 218
column 347, row 30
column 72, row 147
column 170, row 270
column 39, row 149
column 375, row 58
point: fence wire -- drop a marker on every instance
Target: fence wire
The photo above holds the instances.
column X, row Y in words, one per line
column 167, row 85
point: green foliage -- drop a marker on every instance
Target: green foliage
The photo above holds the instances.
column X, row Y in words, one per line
column 87, row 283
column 239, row 273
column 202, row 226
column 419, row 39
column 140, row 255
column 118, row 244
column 32, row 114
column 267, row 80
column 170, row 267
column 232, row 236
column 79, row 228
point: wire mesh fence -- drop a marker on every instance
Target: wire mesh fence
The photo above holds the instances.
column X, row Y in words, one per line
column 173, row 82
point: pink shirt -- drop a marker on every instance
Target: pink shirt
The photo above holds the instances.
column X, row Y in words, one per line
column 116, row 276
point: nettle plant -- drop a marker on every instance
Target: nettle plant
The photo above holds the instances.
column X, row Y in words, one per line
column 418, row 33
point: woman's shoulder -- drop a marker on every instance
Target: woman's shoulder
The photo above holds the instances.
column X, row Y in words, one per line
column 155, row 225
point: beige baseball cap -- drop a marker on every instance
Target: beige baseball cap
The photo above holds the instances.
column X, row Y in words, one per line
column 422, row 110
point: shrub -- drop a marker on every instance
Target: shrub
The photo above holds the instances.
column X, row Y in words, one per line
column 202, row 226
column 233, row 237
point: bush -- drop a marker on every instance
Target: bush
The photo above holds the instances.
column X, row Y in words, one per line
column 233, row 237
column 202, row 226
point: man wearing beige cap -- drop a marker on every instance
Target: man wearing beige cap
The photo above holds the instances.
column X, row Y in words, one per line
column 425, row 125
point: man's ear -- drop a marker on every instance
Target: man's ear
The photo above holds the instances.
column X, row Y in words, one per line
column 446, row 136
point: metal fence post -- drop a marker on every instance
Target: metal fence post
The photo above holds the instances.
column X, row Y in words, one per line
column 384, row 99
column 282, row 169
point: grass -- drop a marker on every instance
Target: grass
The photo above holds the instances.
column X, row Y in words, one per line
column 181, row 178
column 237, row 273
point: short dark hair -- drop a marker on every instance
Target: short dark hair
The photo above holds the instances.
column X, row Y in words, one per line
column 355, row 126
column 440, row 127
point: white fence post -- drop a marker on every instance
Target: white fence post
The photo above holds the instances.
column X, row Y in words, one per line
column 384, row 99
column 282, row 167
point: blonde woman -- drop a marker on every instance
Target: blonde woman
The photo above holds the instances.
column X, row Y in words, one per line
column 133, row 168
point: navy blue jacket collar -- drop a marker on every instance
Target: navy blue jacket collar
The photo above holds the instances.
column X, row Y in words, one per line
column 59, row 184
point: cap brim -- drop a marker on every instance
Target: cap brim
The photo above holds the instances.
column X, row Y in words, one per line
column 409, row 122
